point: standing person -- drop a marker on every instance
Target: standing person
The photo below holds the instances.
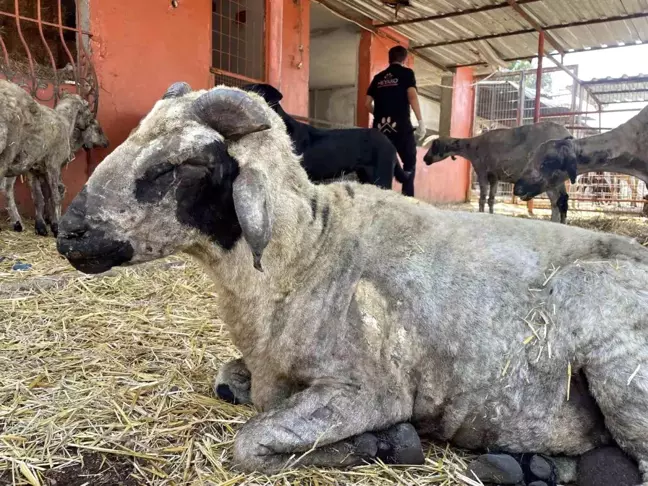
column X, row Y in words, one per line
column 389, row 98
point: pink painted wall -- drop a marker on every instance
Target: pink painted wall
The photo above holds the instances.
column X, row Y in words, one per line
column 139, row 50
column 288, row 51
column 449, row 180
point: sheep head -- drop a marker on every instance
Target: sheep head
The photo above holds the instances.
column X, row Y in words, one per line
column 441, row 149
column 173, row 184
column 550, row 164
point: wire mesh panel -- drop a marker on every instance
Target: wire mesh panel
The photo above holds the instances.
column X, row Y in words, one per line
column 238, row 41
column 45, row 48
column 507, row 100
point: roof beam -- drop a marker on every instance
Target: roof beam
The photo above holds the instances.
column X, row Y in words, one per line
column 474, row 39
column 536, row 25
column 528, row 58
column 529, row 31
column 621, row 91
column 629, row 79
column 450, row 15
column 367, row 25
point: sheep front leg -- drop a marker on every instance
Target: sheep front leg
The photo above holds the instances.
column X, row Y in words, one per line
column 492, row 181
column 559, row 203
column 7, row 186
column 482, row 180
column 324, row 426
column 35, row 185
column 52, row 181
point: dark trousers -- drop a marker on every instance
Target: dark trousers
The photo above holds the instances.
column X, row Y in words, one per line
column 405, row 144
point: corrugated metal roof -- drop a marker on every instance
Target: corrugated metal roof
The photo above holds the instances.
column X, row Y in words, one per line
column 548, row 13
column 626, row 89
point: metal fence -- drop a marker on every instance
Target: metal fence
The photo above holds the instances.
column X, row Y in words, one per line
column 44, row 47
column 506, row 100
column 238, row 41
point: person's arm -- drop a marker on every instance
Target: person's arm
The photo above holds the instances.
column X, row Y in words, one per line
column 369, row 104
column 412, row 96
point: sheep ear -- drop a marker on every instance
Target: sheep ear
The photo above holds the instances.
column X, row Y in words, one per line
column 251, row 204
column 176, row 90
column 232, row 113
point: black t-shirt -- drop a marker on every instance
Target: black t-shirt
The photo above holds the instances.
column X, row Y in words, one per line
column 389, row 91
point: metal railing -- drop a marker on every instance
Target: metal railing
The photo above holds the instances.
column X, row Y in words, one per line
column 238, row 41
column 506, row 101
column 45, row 49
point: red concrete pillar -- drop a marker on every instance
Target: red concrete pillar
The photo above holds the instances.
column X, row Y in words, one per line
column 461, row 122
column 450, row 180
column 287, row 53
column 373, row 57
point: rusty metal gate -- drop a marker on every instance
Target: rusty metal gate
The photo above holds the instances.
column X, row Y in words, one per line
column 238, row 41
column 506, row 100
column 45, row 48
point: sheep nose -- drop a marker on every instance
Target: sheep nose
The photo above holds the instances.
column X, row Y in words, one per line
column 73, row 224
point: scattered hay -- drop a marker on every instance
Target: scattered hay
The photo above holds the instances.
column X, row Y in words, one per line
column 107, row 380
column 633, row 227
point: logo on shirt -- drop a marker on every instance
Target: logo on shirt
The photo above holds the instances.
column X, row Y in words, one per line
column 388, row 81
column 385, row 125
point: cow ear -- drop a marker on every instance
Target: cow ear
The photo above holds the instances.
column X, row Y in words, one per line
column 251, row 203
column 232, row 113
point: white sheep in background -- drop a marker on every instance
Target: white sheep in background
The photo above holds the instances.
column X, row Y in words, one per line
column 92, row 136
column 356, row 309
column 37, row 139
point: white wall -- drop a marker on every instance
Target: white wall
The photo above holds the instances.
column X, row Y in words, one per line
column 334, row 58
column 335, row 105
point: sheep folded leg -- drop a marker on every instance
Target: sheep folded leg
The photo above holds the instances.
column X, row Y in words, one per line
column 324, row 426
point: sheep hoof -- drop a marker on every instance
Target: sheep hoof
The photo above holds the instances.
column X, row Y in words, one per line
column 540, row 467
column 54, row 228
column 400, row 444
column 41, row 229
column 18, row 227
column 496, row 468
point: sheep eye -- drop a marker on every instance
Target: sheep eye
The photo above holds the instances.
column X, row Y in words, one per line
column 157, row 171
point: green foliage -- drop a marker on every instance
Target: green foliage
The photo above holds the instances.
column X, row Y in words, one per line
column 529, row 81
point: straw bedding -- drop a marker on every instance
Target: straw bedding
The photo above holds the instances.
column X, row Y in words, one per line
column 106, row 380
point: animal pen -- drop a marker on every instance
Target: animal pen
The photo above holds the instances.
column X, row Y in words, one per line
column 509, row 99
column 45, row 48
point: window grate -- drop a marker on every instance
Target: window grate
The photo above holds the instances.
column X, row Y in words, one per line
column 238, row 41
column 44, row 49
